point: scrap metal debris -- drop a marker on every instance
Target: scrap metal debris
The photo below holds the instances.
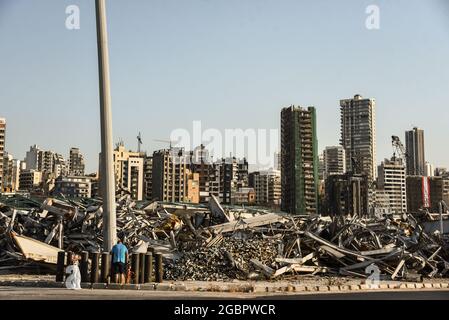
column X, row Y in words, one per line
column 214, row 242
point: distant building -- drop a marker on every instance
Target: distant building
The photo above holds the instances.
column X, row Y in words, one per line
column 321, row 167
column 440, row 171
column 267, row 187
column 277, row 161
column 2, row 150
column 76, row 163
column 148, row 168
column 429, row 170
column 391, row 180
column 358, row 135
column 193, row 187
column 47, row 162
column 245, row 196
column 32, row 158
column 171, row 177
column 11, row 173
column 334, row 160
column 129, row 173
column 414, row 145
column 73, row 187
column 299, row 172
column 381, row 205
column 233, row 176
column 347, row 194
column 426, row 193
column 29, row 180
column 209, row 173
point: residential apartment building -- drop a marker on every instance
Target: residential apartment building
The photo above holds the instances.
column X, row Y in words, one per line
column 267, row 187
column 209, row 173
column 425, row 193
column 233, row 176
column 245, row 196
column 148, row 168
column 334, row 160
column 414, row 146
column 172, row 180
column 299, row 168
column 347, row 194
column 73, row 187
column 391, row 180
column 29, row 179
column 47, row 162
column 76, row 163
column 358, row 135
column 129, row 172
column 11, row 173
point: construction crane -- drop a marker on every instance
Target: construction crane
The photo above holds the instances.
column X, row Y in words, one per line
column 398, row 148
column 139, row 142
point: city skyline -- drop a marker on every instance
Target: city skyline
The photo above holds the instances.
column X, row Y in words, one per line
column 251, row 62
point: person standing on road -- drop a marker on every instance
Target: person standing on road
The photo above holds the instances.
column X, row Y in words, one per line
column 119, row 259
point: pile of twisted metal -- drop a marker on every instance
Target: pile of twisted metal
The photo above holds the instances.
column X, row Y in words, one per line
column 214, row 242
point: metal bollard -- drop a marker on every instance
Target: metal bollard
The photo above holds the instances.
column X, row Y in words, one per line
column 94, row 269
column 84, row 266
column 60, row 267
column 159, row 268
column 148, row 267
column 105, row 267
column 142, row 268
column 135, row 265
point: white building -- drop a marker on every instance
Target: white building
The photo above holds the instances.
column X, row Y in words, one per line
column 429, row 170
column 129, row 171
column 11, row 173
column 392, row 181
column 73, row 187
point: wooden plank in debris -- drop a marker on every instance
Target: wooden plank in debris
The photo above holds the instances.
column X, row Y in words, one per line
column 312, row 269
column 332, row 252
column 282, row 271
column 398, row 268
column 266, row 270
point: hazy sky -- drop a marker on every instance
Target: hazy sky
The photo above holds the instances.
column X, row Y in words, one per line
column 230, row 64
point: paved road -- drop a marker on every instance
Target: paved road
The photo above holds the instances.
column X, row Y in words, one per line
column 17, row 293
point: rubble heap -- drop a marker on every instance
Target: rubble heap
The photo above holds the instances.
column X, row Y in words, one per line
column 209, row 242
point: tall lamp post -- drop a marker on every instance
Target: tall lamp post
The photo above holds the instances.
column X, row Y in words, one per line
column 107, row 161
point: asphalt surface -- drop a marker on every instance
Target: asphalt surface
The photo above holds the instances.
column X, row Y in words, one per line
column 17, row 293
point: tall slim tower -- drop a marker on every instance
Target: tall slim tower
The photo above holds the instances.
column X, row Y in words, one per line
column 299, row 160
column 107, row 160
column 2, row 149
column 358, row 135
column 414, row 145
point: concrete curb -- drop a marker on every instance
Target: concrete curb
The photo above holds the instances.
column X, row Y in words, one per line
column 235, row 287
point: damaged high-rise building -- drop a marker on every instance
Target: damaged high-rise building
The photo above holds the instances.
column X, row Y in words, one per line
column 358, row 135
column 299, row 168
